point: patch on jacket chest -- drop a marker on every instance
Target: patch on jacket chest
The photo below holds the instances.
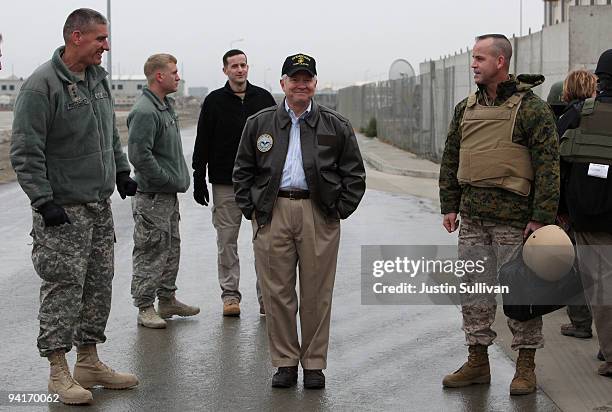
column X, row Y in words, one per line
column 264, row 143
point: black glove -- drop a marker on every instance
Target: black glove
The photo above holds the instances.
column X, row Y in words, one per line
column 200, row 189
column 126, row 186
column 53, row 215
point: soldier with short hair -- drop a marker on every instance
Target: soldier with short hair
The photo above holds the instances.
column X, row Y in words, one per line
column 156, row 152
column 500, row 172
column 67, row 156
column 222, row 118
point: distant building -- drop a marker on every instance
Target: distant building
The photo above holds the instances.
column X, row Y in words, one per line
column 125, row 89
column 9, row 88
column 557, row 11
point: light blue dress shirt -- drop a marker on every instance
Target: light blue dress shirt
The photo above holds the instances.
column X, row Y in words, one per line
column 293, row 171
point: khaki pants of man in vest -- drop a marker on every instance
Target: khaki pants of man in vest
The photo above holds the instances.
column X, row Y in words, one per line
column 227, row 217
column 298, row 235
column 497, row 243
column 595, row 263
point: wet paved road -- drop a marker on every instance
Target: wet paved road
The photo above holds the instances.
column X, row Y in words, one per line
column 380, row 358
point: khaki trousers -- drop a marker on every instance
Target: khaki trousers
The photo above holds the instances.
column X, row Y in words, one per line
column 595, row 264
column 298, row 236
column 226, row 218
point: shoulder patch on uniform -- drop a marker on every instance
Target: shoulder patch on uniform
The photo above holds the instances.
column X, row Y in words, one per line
column 264, row 143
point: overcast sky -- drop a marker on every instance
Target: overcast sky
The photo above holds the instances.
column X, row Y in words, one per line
column 351, row 41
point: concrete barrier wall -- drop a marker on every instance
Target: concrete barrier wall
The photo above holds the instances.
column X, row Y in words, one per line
column 590, row 34
column 414, row 113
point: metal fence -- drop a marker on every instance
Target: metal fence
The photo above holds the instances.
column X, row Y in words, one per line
column 404, row 110
column 414, row 113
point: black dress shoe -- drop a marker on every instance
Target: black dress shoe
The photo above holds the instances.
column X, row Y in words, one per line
column 285, row 377
column 600, row 356
column 314, row 379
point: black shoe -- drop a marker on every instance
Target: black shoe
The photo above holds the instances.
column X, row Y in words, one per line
column 285, row 377
column 314, row 379
column 600, row 356
column 262, row 310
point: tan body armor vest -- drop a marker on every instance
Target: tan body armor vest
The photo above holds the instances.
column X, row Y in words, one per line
column 487, row 155
column 592, row 141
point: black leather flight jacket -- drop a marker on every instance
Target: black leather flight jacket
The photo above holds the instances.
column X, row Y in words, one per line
column 330, row 156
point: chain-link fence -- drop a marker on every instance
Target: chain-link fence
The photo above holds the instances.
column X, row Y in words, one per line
column 404, row 110
column 414, row 113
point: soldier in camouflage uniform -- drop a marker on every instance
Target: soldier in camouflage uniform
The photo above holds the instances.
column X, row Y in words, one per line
column 67, row 156
column 502, row 193
column 156, row 152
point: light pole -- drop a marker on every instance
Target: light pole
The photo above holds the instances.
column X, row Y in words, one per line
column 521, row 18
column 109, row 57
column 233, row 41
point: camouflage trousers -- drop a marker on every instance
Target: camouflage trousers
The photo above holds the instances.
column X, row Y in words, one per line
column 76, row 264
column 496, row 244
column 157, row 246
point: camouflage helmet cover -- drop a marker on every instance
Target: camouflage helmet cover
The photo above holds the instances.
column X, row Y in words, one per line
column 555, row 94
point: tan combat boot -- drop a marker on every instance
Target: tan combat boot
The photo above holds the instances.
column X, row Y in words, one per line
column 62, row 383
column 475, row 370
column 89, row 371
column 524, row 381
column 148, row 318
column 166, row 308
column 231, row 307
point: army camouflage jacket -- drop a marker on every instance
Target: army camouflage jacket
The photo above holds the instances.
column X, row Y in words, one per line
column 535, row 128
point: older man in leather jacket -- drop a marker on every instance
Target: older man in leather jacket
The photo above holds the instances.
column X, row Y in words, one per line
column 298, row 171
